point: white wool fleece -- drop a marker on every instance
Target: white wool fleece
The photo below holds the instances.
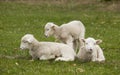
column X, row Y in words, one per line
column 47, row 50
column 68, row 33
column 91, row 51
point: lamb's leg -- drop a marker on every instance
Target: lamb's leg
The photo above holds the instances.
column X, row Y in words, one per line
column 94, row 59
column 81, row 44
column 94, row 56
column 69, row 42
column 100, row 57
column 76, row 45
column 47, row 57
column 64, row 59
column 33, row 58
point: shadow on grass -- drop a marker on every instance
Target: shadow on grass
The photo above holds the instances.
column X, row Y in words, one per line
column 16, row 57
column 22, row 58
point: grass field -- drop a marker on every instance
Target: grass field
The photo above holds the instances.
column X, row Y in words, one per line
column 17, row 19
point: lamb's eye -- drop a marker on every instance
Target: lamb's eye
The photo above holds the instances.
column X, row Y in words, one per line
column 24, row 41
column 47, row 29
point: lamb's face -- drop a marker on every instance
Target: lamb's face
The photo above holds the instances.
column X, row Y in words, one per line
column 24, row 45
column 26, row 41
column 48, row 29
column 90, row 44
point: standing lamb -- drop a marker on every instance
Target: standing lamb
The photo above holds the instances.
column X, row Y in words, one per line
column 91, row 51
column 47, row 50
column 69, row 33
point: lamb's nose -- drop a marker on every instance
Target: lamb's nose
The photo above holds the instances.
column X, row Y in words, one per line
column 91, row 50
column 45, row 35
column 21, row 48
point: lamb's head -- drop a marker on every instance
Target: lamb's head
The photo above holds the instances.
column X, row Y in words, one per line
column 90, row 44
column 49, row 29
column 26, row 41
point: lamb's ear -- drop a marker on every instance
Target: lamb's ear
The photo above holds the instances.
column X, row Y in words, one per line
column 98, row 41
column 53, row 27
column 29, row 40
column 83, row 40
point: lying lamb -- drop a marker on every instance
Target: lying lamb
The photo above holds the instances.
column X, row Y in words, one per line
column 47, row 50
column 91, row 51
column 69, row 33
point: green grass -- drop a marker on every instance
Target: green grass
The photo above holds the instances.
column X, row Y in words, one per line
column 17, row 19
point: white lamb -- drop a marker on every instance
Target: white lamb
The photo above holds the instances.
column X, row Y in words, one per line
column 47, row 50
column 91, row 51
column 69, row 33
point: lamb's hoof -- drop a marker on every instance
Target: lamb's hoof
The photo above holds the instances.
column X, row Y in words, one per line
column 57, row 59
column 31, row 60
column 103, row 61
